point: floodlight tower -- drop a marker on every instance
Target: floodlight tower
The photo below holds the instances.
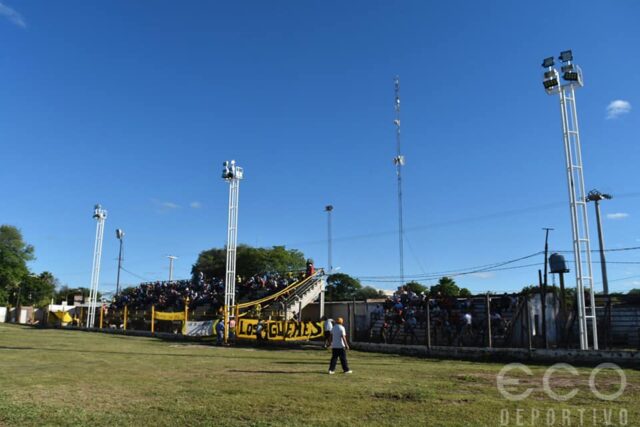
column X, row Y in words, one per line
column 398, row 160
column 232, row 174
column 572, row 76
column 100, row 215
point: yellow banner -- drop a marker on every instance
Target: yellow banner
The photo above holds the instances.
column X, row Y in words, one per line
column 165, row 315
column 279, row 330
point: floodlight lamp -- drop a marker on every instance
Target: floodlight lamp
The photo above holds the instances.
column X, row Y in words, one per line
column 571, row 76
column 595, row 195
column 398, row 161
column 119, row 234
column 550, row 83
column 548, row 62
column 566, row 56
column 328, row 208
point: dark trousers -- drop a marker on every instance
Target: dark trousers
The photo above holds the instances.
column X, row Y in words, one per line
column 338, row 353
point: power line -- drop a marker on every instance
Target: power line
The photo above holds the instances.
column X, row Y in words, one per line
column 461, row 274
column 136, row 275
column 458, row 272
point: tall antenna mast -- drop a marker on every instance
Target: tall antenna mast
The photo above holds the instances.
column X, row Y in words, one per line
column 398, row 160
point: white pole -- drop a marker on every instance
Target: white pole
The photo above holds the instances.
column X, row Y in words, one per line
column 171, row 258
column 100, row 215
column 232, row 174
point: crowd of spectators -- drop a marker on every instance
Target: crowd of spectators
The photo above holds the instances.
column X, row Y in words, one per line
column 452, row 318
column 172, row 295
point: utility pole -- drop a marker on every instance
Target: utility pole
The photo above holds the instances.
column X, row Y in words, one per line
column 119, row 236
column 543, row 299
column 546, row 252
column 329, row 209
column 596, row 196
column 171, row 259
column 398, row 160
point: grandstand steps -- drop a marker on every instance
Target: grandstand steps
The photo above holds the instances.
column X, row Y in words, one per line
column 303, row 296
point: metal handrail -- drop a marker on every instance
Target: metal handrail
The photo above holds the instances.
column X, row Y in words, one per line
column 279, row 293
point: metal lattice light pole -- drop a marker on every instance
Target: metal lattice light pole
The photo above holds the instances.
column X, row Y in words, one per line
column 572, row 77
column 232, row 174
column 100, row 215
column 398, row 160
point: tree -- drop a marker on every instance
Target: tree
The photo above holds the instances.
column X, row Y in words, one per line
column 249, row 261
column 14, row 255
column 634, row 291
column 416, row 287
column 38, row 290
column 446, row 287
column 367, row 292
column 465, row 293
column 342, row 287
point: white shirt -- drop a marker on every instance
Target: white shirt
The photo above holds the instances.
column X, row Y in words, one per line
column 336, row 336
column 328, row 325
column 467, row 319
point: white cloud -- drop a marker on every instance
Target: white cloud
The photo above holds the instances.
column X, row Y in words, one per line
column 12, row 16
column 169, row 205
column 195, row 205
column 166, row 206
column 618, row 215
column 617, row 108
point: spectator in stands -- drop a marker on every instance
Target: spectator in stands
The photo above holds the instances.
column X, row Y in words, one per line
column 377, row 314
column 384, row 331
column 410, row 329
column 339, row 347
column 310, row 268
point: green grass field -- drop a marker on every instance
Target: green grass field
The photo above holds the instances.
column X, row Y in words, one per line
column 56, row 377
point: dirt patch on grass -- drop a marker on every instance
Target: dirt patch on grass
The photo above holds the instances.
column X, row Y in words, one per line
column 400, row 396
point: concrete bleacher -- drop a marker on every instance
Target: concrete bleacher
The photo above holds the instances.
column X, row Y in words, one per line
column 448, row 335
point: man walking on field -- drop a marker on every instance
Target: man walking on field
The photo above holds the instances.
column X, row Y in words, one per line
column 339, row 347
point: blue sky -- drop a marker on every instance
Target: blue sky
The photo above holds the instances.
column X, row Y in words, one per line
column 136, row 104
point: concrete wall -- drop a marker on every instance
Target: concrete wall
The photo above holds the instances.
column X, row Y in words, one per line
column 575, row 357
